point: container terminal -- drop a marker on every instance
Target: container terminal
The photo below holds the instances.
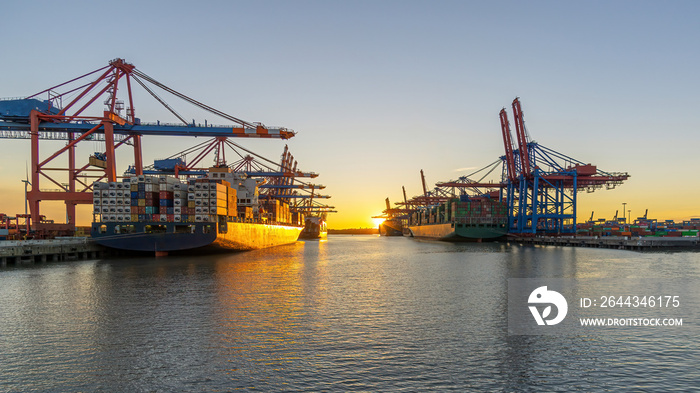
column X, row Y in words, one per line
column 253, row 202
column 533, row 202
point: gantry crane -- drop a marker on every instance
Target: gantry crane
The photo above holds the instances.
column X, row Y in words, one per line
column 541, row 193
column 539, row 184
column 44, row 116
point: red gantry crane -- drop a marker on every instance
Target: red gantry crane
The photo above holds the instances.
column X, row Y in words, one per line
column 45, row 116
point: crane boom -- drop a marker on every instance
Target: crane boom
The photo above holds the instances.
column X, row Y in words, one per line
column 522, row 139
column 508, row 143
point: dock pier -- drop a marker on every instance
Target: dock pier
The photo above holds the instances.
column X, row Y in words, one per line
column 55, row 250
column 615, row 242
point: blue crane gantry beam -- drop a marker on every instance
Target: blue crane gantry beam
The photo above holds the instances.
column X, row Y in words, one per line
column 146, row 129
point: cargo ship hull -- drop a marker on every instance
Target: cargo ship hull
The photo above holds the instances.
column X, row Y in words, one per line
column 164, row 237
column 476, row 219
column 448, row 232
column 391, row 227
column 243, row 236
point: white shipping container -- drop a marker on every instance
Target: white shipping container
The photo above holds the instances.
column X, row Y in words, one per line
column 178, row 202
column 179, row 187
column 177, row 210
column 179, row 194
column 97, row 209
column 191, row 188
column 112, row 185
column 190, row 197
column 127, row 210
column 120, row 193
column 112, row 193
column 205, row 186
column 105, row 193
column 111, row 201
column 198, row 210
column 97, row 193
column 120, row 209
column 177, row 218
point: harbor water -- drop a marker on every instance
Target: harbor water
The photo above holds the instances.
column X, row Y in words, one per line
column 351, row 313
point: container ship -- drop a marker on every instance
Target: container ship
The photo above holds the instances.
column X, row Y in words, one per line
column 221, row 210
column 391, row 227
column 461, row 219
column 315, row 227
column 395, row 220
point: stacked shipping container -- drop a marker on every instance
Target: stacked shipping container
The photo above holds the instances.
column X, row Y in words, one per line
column 163, row 199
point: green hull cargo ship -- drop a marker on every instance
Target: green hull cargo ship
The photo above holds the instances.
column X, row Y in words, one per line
column 478, row 219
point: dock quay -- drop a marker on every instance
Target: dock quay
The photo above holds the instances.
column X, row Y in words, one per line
column 615, row 242
column 32, row 251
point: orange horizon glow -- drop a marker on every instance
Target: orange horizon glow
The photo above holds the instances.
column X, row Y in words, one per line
column 356, row 212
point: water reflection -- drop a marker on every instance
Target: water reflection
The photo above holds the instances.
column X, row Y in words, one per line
column 350, row 313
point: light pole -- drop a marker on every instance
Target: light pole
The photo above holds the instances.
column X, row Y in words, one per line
column 624, row 204
column 26, row 183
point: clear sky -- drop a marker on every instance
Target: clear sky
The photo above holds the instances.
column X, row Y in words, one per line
column 378, row 90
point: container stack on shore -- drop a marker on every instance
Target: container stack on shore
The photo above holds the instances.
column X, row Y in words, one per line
column 640, row 228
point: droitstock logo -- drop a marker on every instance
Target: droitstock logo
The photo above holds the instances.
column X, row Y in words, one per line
column 541, row 296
